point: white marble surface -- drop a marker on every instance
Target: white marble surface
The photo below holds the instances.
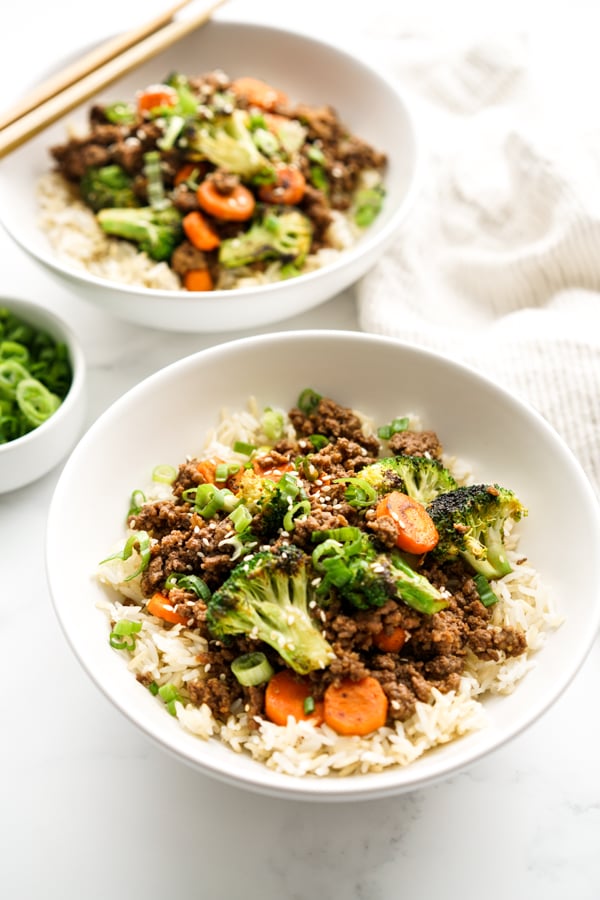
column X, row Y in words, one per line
column 89, row 809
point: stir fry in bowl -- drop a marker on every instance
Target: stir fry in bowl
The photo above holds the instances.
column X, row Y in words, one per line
column 330, row 596
column 216, row 183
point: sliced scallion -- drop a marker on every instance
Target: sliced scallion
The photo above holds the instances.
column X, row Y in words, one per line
column 244, row 448
column 272, row 423
column 164, row 474
column 309, row 705
column 123, row 629
column 308, row 401
column 252, row 669
column 136, row 501
column 241, row 518
column 297, row 511
column 142, row 539
column 486, row 594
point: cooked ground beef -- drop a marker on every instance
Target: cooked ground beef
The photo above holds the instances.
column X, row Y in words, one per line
column 435, row 646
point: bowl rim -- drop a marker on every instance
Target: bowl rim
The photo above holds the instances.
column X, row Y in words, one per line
column 372, row 785
column 27, row 309
column 367, row 244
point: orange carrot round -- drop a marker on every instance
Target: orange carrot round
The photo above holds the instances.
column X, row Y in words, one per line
column 156, row 95
column 287, row 695
column 416, row 530
column 198, row 280
column 160, row 606
column 237, row 206
column 392, row 641
column 199, row 232
column 258, row 92
column 288, row 189
column 355, row 707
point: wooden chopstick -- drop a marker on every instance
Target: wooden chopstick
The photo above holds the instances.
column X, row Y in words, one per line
column 31, row 123
column 86, row 64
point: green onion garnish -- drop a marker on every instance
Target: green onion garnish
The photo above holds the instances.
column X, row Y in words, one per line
column 244, row 448
column 241, row 518
column 298, row 511
column 272, row 423
column 142, row 539
column 120, row 113
column 35, row 401
column 170, row 695
column 124, row 628
column 486, row 594
column 164, row 474
column 308, row 401
column 154, row 179
column 367, row 205
column 136, row 501
column 209, row 499
column 318, row 441
column 252, row 669
column 394, row 427
column 318, row 178
column 309, row 705
column 359, row 492
column 188, row 583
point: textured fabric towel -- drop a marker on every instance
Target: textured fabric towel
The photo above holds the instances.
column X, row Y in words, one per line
column 498, row 263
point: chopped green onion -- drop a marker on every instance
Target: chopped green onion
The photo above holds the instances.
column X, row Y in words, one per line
column 266, row 141
column 256, row 120
column 188, row 583
column 11, row 373
column 35, row 401
column 309, row 705
column 272, row 423
column 244, row 448
column 299, row 510
column 222, row 472
column 315, row 154
column 395, row 426
column 318, row 441
column 120, row 113
column 367, row 205
column 124, row 628
column 170, row 695
column 142, row 539
column 137, row 500
column 209, row 499
column 345, row 534
column 164, row 474
column 155, row 187
column 175, row 125
column 153, row 688
column 252, row 669
column 486, row 594
column 241, row 518
column 14, row 350
column 359, row 492
column 308, row 401
column 318, row 178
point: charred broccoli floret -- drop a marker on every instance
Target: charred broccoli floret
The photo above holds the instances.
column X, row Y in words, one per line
column 470, row 521
column 283, row 233
column 349, row 561
column 228, row 143
column 418, row 476
column 107, row 186
column 267, row 597
column 155, row 231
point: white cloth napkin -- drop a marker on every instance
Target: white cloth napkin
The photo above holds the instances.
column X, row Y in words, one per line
column 498, row 264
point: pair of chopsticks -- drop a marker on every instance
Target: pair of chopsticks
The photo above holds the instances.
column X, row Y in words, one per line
column 93, row 72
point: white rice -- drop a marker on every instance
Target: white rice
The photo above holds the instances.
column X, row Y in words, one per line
column 78, row 240
column 170, row 655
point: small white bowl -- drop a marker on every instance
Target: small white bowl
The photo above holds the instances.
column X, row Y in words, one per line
column 501, row 438
column 310, row 71
column 29, row 457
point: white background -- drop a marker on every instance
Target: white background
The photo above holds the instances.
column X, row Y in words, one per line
column 88, row 808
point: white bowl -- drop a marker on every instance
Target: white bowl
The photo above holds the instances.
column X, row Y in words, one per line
column 310, row 71
column 501, row 438
column 29, row 457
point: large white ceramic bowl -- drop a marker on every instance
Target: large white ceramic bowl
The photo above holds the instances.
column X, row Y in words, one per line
column 309, row 71
column 501, row 438
column 30, row 457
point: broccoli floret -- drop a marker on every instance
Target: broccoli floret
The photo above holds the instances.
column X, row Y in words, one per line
column 365, row 577
column 155, row 231
column 107, row 186
column 418, row 476
column 470, row 521
column 284, row 234
column 267, row 597
column 227, row 142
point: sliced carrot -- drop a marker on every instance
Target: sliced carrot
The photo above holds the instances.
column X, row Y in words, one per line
column 156, row 95
column 287, row 695
column 355, row 707
column 416, row 530
column 237, row 206
column 199, row 232
column 258, row 92
column 198, row 280
column 288, row 189
column 185, row 172
column 207, row 469
column 392, row 641
column 160, row 606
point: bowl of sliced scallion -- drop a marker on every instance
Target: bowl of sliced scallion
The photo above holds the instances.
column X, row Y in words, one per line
column 42, row 397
